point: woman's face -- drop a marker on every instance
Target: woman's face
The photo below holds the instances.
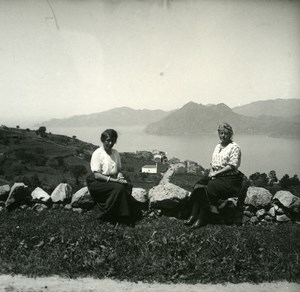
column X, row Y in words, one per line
column 108, row 144
column 224, row 136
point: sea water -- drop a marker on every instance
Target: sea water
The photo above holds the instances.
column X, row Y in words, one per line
column 259, row 153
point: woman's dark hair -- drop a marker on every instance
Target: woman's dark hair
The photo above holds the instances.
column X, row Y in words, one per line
column 109, row 133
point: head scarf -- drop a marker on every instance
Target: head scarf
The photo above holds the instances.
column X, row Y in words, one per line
column 225, row 127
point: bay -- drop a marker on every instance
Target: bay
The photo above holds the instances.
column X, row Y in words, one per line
column 259, row 153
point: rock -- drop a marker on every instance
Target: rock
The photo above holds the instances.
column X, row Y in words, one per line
column 254, row 220
column 39, row 207
column 167, row 196
column 248, row 213
column 78, row 210
column 260, row 213
column 40, row 195
column 4, row 191
column 258, row 197
column 269, row 218
column 247, row 208
column 169, row 173
column 61, row 193
column 245, row 219
column 2, row 204
column 82, row 199
column 272, row 211
column 18, row 193
column 282, row 218
column 288, row 200
column 140, row 195
column 68, row 207
column 280, row 211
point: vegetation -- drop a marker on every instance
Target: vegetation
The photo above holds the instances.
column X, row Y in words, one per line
column 38, row 158
column 74, row 245
column 65, row 243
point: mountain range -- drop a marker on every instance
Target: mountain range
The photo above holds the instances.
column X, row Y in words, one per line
column 276, row 107
column 268, row 117
column 115, row 117
column 195, row 119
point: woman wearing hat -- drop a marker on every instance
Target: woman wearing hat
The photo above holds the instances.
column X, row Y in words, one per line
column 224, row 178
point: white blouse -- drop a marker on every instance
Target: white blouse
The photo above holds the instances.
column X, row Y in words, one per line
column 229, row 155
column 104, row 163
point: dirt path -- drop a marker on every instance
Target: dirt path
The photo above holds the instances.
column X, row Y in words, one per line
column 57, row 284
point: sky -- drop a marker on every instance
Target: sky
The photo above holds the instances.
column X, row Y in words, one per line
column 61, row 58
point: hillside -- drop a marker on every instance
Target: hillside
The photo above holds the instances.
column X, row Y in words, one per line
column 195, row 119
column 124, row 116
column 285, row 108
column 47, row 159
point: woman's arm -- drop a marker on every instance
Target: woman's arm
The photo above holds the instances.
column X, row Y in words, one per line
column 107, row 178
column 213, row 173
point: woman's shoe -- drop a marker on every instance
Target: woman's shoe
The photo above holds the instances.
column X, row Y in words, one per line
column 199, row 223
column 190, row 221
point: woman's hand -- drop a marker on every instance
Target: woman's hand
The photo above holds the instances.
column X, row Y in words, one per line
column 121, row 179
column 212, row 174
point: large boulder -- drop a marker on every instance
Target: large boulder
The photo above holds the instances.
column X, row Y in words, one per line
column 82, row 199
column 39, row 194
column 61, row 193
column 140, row 195
column 167, row 196
column 287, row 200
column 4, row 191
column 18, row 194
column 258, row 197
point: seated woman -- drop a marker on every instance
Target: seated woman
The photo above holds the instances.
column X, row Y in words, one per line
column 224, row 178
column 107, row 186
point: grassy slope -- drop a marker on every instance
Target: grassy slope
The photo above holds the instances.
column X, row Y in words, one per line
column 50, row 158
column 73, row 245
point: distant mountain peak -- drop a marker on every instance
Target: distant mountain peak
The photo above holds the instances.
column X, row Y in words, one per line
column 190, row 104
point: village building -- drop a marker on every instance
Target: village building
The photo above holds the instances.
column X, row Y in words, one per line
column 152, row 168
column 159, row 156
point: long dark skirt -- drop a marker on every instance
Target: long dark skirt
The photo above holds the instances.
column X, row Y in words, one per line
column 212, row 191
column 114, row 200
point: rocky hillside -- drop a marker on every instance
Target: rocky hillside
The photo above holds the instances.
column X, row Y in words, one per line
column 285, row 108
column 124, row 116
column 42, row 158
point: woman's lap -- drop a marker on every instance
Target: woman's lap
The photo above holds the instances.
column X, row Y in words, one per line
column 223, row 188
column 218, row 188
column 113, row 199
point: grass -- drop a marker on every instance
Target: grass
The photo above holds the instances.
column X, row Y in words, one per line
column 159, row 249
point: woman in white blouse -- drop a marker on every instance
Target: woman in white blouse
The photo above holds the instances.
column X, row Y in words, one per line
column 107, row 186
column 223, row 181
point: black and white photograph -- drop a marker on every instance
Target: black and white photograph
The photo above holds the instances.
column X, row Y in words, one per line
column 149, row 145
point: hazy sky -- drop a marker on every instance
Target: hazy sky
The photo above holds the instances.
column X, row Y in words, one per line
column 61, row 57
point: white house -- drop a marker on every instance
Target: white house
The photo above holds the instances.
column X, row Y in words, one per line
column 149, row 168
